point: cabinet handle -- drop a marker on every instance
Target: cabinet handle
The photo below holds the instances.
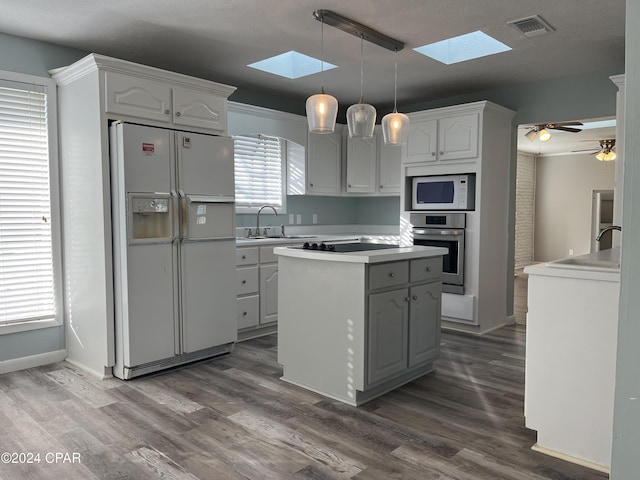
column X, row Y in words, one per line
column 441, row 153
column 428, row 269
column 407, row 299
column 433, row 154
column 415, row 297
column 244, row 314
column 311, row 184
column 392, row 275
column 381, row 186
column 167, row 111
column 178, row 114
column 244, row 257
column 349, row 186
column 244, row 281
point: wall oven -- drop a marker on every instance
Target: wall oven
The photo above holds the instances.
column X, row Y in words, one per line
column 443, row 230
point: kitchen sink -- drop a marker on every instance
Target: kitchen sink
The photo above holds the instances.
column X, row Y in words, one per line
column 277, row 237
column 584, row 262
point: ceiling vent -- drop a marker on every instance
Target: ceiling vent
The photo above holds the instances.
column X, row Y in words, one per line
column 531, row 26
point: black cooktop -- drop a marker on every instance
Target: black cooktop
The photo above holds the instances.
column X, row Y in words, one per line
column 345, row 247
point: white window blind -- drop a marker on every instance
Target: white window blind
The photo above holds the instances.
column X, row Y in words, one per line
column 258, row 171
column 27, row 288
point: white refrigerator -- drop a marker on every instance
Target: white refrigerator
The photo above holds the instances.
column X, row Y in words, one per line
column 174, row 247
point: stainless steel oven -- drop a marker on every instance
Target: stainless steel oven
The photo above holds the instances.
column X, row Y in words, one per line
column 443, row 230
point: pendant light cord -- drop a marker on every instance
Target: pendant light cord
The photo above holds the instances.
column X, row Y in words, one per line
column 395, row 82
column 322, row 54
column 361, row 67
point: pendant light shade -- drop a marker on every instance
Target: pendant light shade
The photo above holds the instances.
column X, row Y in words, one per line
column 361, row 117
column 322, row 109
column 395, row 126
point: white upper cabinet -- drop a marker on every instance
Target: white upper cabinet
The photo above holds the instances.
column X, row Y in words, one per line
column 442, row 139
column 324, row 163
column 137, row 97
column 389, row 168
column 192, row 108
column 362, row 155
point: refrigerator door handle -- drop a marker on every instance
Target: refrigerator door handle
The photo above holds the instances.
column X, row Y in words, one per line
column 184, row 214
column 175, row 215
column 210, row 199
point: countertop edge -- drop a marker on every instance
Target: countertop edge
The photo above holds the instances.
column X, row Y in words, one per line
column 369, row 256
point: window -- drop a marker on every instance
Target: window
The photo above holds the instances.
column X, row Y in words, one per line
column 259, row 167
column 29, row 231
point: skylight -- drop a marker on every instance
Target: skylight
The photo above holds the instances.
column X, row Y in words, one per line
column 291, row 65
column 465, row 47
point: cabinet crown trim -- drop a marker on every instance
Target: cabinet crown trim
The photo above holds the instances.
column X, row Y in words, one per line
column 94, row 62
column 474, row 107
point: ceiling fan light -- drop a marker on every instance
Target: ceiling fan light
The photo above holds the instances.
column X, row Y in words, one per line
column 395, row 128
column 531, row 134
column 322, row 110
column 544, row 135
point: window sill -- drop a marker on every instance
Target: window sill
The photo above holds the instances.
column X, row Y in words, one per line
column 26, row 326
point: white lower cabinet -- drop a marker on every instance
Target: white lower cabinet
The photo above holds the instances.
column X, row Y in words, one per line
column 268, row 293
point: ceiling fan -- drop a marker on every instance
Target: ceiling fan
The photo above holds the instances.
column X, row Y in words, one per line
column 542, row 130
column 605, row 153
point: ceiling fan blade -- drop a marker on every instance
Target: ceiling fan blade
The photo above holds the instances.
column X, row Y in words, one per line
column 565, row 129
column 562, row 124
column 589, row 150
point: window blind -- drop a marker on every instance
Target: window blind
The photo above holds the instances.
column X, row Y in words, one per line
column 258, row 171
column 27, row 290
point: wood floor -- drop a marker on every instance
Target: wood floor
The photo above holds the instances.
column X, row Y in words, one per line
column 232, row 418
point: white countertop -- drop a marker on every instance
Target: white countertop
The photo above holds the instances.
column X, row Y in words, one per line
column 248, row 242
column 368, row 256
column 603, row 265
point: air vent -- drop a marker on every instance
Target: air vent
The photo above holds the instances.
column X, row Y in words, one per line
column 531, row 26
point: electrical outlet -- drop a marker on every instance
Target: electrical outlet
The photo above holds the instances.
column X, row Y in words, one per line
column 315, row 218
column 291, row 219
column 571, row 252
column 298, row 218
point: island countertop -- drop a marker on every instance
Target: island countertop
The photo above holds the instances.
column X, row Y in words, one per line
column 366, row 256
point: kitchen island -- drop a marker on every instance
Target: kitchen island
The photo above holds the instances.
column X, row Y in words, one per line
column 572, row 328
column 354, row 325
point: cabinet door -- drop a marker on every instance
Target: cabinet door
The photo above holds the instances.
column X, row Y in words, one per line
column 389, row 168
column 458, row 137
column 361, row 165
column 324, row 163
column 421, row 143
column 192, row 108
column 136, row 97
column 388, row 334
column 268, row 293
column 424, row 323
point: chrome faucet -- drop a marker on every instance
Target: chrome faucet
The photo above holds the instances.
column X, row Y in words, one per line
column 605, row 230
column 258, row 217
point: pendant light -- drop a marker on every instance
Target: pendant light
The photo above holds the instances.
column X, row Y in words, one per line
column 395, row 126
column 361, row 117
column 322, row 108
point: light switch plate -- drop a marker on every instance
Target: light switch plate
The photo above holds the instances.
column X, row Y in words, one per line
column 298, row 218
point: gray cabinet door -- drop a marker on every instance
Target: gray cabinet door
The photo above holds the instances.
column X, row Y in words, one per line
column 424, row 323
column 388, row 334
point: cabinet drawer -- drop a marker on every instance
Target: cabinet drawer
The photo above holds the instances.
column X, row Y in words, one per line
column 423, row 269
column 246, row 256
column 136, row 97
column 388, row 274
column 248, row 309
column 247, row 280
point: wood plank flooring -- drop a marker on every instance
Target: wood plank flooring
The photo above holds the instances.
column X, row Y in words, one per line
column 232, row 418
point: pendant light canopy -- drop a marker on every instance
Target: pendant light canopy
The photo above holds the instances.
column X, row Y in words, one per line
column 322, row 108
column 361, row 117
column 395, row 126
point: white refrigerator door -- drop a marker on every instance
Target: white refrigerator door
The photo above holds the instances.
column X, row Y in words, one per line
column 208, row 294
column 205, row 164
column 148, row 159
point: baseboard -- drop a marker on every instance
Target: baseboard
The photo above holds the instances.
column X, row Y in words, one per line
column 31, row 361
column 569, row 458
column 95, row 373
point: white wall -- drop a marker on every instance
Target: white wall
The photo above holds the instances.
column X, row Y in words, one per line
column 563, row 203
column 525, row 209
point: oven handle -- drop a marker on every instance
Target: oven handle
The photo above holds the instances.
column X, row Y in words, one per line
column 453, row 233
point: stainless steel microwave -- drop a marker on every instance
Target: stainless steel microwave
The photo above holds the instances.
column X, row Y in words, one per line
column 444, row 192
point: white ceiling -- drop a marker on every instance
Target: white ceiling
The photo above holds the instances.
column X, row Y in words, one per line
column 216, row 39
